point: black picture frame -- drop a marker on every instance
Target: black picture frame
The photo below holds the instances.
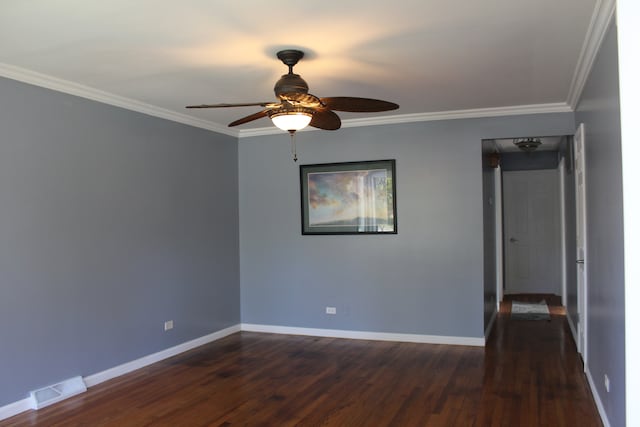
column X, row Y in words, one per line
column 349, row 198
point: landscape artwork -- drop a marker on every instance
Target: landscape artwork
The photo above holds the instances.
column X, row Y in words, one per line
column 349, row 198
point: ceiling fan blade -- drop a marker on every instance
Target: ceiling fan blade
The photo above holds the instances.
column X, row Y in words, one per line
column 326, row 119
column 252, row 117
column 357, row 105
column 249, row 104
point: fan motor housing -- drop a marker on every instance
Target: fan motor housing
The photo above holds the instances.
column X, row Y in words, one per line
column 290, row 83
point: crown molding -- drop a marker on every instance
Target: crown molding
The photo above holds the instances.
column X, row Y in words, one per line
column 559, row 107
column 513, row 110
column 65, row 86
column 71, row 88
column 600, row 20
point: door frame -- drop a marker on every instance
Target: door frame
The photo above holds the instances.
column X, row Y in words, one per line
column 563, row 227
column 581, row 227
column 499, row 237
column 566, row 263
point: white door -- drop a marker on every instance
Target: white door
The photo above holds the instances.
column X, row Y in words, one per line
column 581, row 242
column 532, row 232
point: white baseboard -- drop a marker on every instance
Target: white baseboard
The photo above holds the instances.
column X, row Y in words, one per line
column 596, row 397
column 573, row 331
column 125, row 368
column 360, row 335
column 487, row 331
column 25, row 404
column 15, row 408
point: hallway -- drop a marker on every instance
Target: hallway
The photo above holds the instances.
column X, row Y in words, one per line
column 535, row 373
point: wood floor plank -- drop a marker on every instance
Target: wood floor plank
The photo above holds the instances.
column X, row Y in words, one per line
column 529, row 374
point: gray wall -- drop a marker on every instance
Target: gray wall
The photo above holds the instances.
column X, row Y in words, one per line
column 111, row 222
column 489, row 231
column 599, row 110
column 427, row 279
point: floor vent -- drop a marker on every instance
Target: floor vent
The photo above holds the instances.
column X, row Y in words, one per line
column 57, row 392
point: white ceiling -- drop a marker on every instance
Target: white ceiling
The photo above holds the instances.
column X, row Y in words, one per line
column 426, row 55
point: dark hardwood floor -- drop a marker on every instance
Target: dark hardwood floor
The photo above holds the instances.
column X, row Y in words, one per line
column 529, row 374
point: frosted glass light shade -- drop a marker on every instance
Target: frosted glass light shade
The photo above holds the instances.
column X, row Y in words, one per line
column 291, row 120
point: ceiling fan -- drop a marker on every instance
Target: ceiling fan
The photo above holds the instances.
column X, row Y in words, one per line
column 296, row 107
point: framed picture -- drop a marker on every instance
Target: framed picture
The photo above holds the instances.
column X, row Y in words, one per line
column 349, row 198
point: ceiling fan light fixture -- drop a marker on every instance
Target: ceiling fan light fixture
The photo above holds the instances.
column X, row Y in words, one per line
column 291, row 119
column 296, row 108
column 527, row 144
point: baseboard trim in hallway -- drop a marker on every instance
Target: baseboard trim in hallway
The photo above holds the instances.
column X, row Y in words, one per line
column 489, row 327
column 596, row 398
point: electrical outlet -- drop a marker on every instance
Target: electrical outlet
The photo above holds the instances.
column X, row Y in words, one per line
column 606, row 382
column 331, row 310
column 168, row 325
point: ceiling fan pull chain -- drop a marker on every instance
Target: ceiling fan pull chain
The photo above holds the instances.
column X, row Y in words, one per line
column 294, row 152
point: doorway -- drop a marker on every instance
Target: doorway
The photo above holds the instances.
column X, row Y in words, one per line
column 534, row 235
